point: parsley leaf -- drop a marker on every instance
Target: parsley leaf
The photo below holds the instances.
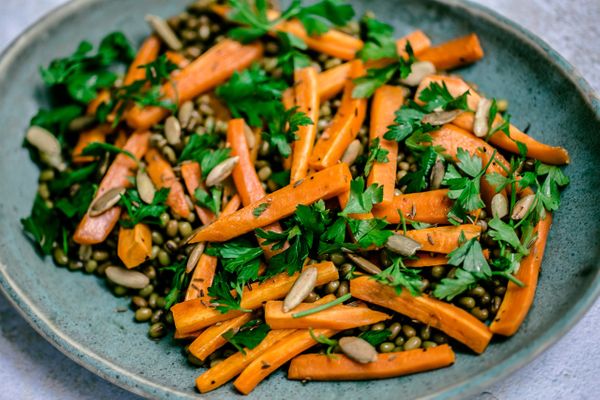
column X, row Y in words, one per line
column 139, row 211
column 281, row 178
column 210, row 199
column 57, row 119
column 197, row 145
column 500, row 231
column 375, row 338
column 222, row 297
column 78, row 204
column 376, row 154
column 368, row 232
column 42, row 225
column 361, row 201
column 318, row 18
column 437, row 97
column 67, row 179
column 249, row 336
column 99, row 149
column 418, row 180
column 379, row 40
column 398, row 277
column 282, row 127
column 178, row 282
column 449, row 288
column 290, row 57
column 240, row 258
column 257, row 212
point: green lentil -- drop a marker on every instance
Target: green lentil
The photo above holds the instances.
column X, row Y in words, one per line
column 500, row 290
column 43, row 191
column 332, row 287
column 409, row 331
column 312, row 297
column 466, row 302
column 150, row 272
column 47, row 175
column 60, row 257
column 343, row 289
column 139, row 302
column 395, row 330
column 102, row 268
column 172, row 228
column 438, row 272
column 154, row 252
column 338, row 258
column 75, row 265
column 152, row 300
column 386, row 347
column 90, row 266
column 163, row 258
column 160, row 302
column 157, row 315
column 429, row 344
column 481, row 314
column 157, row 238
column 439, row 338
column 147, row 291
column 264, row 173
column 164, row 219
column 100, row 255
column 143, row 314
column 378, row 326
column 412, row 343
column 119, row 291
column 169, row 318
column 400, row 341
column 425, row 333
column 185, row 229
column 477, row 291
column 485, row 299
column 157, row 330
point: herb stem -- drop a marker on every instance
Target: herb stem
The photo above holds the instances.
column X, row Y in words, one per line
column 322, row 307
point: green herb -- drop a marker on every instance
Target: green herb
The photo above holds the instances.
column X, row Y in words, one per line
column 281, row 178
column 436, row 97
column 42, row 225
column 366, row 85
column 249, row 336
column 376, row 154
column 210, row 199
column 418, row 180
column 78, row 204
column 67, row 179
column 211, row 158
column 319, row 17
column 290, row 56
column 57, row 119
column 368, row 232
column 379, row 41
column 139, row 211
column 281, row 129
column 322, row 339
column 99, row 149
column 222, row 298
column 240, row 258
column 398, row 277
column 361, row 200
column 257, row 212
column 178, row 282
column 502, row 232
column 198, row 145
column 322, row 307
column 375, row 338
column 449, row 288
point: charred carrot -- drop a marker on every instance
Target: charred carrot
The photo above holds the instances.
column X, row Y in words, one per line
column 211, row 339
column 443, row 239
column 320, row 367
column 518, row 300
column 280, row 204
column 94, row 135
column 206, row 72
column 430, row 207
column 196, row 314
column 135, row 245
column 343, row 128
column 453, row 321
column 163, row 176
column 386, row 100
column 191, row 174
column 454, row 53
column 94, row 230
column 307, row 101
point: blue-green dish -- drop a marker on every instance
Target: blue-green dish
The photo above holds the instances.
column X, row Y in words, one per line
column 78, row 314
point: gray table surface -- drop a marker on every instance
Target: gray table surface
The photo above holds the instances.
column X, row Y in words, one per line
column 30, row 368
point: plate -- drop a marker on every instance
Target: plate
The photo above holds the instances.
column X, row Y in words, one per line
column 78, row 315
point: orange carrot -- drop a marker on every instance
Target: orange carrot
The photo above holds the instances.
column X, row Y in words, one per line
column 280, row 353
column 94, row 230
column 146, row 54
column 191, row 174
column 431, row 207
column 162, row 175
column 206, row 72
column 518, row 300
column 331, row 81
column 386, row 100
column 194, row 314
column 443, row 239
column 320, row 367
column 419, row 42
column 288, row 98
column 102, row 97
column 343, row 128
column 453, row 321
column 135, row 245
column 454, row 53
column 121, row 139
column 186, row 336
column 202, row 277
column 426, row 260
column 177, row 59
column 307, row 101
column 94, row 135
column 338, row 317
column 344, row 198
column 211, row 339
column 282, row 203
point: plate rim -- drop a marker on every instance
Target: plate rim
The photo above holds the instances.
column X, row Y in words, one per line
column 139, row 385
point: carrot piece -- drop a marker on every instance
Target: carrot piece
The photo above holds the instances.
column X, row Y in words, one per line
column 194, row 314
column 121, row 139
column 386, row 100
column 426, row 260
column 280, row 353
column 443, row 239
column 320, row 367
column 177, row 59
column 232, row 205
column 431, row 207
column 186, row 336
column 343, row 200
column 454, row 53
column 146, row 54
column 419, row 42
column 282, row 203
column 331, row 81
column 203, row 74
column 453, row 321
column 518, row 300
column 162, row 175
column 102, row 97
column 202, row 277
column 135, row 245
column 540, row 151
column 94, row 135
column 307, row 101
column 338, row 317
column 212, row 338
column 343, row 128
column 190, row 172
column 94, row 230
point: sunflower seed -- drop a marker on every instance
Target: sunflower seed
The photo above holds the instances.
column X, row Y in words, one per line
column 522, row 207
column 364, row 264
column 173, row 131
column 48, row 145
column 418, row 72
column 194, row 257
column 221, row 171
column 145, row 186
column 185, row 113
column 127, row 278
column 301, row 289
column 437, row 174
column 482, row 116
column 106, row 201
column 358, row 349
column 164, row 31
column 402, row 245
column 499, row 205
column 352, row 152
column 441, row 117
column 250, row 139
column 81, row 123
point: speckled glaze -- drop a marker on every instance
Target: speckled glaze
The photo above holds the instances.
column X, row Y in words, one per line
column 79, row 316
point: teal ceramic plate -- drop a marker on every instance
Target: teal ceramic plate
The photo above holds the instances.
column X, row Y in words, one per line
column 78, row 314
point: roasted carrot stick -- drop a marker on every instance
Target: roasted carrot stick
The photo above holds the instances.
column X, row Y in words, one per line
column 518, row 300
column 419, row 42
column 331, row 81
column 191, row 174
column 455, row 322
column 338, row 317
column 209, row 70
column 121, row 139
column 94, row 230
column 426, row 260
column 226, row 370
column 135, row 245
column 177, row 59
column 443, row 239
column 202, row 277
column 212, row 338
column 196, row 314
column 386, row 100
column 540, row 151
column 282, row 203
column 146, row 54
column 454, row 53
column 343, row 128
column 320, row 367
column 431, row 207
column 280, row 353
column 94, row 135
column 307, row 101
column 162, row 175
column 102, row 97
